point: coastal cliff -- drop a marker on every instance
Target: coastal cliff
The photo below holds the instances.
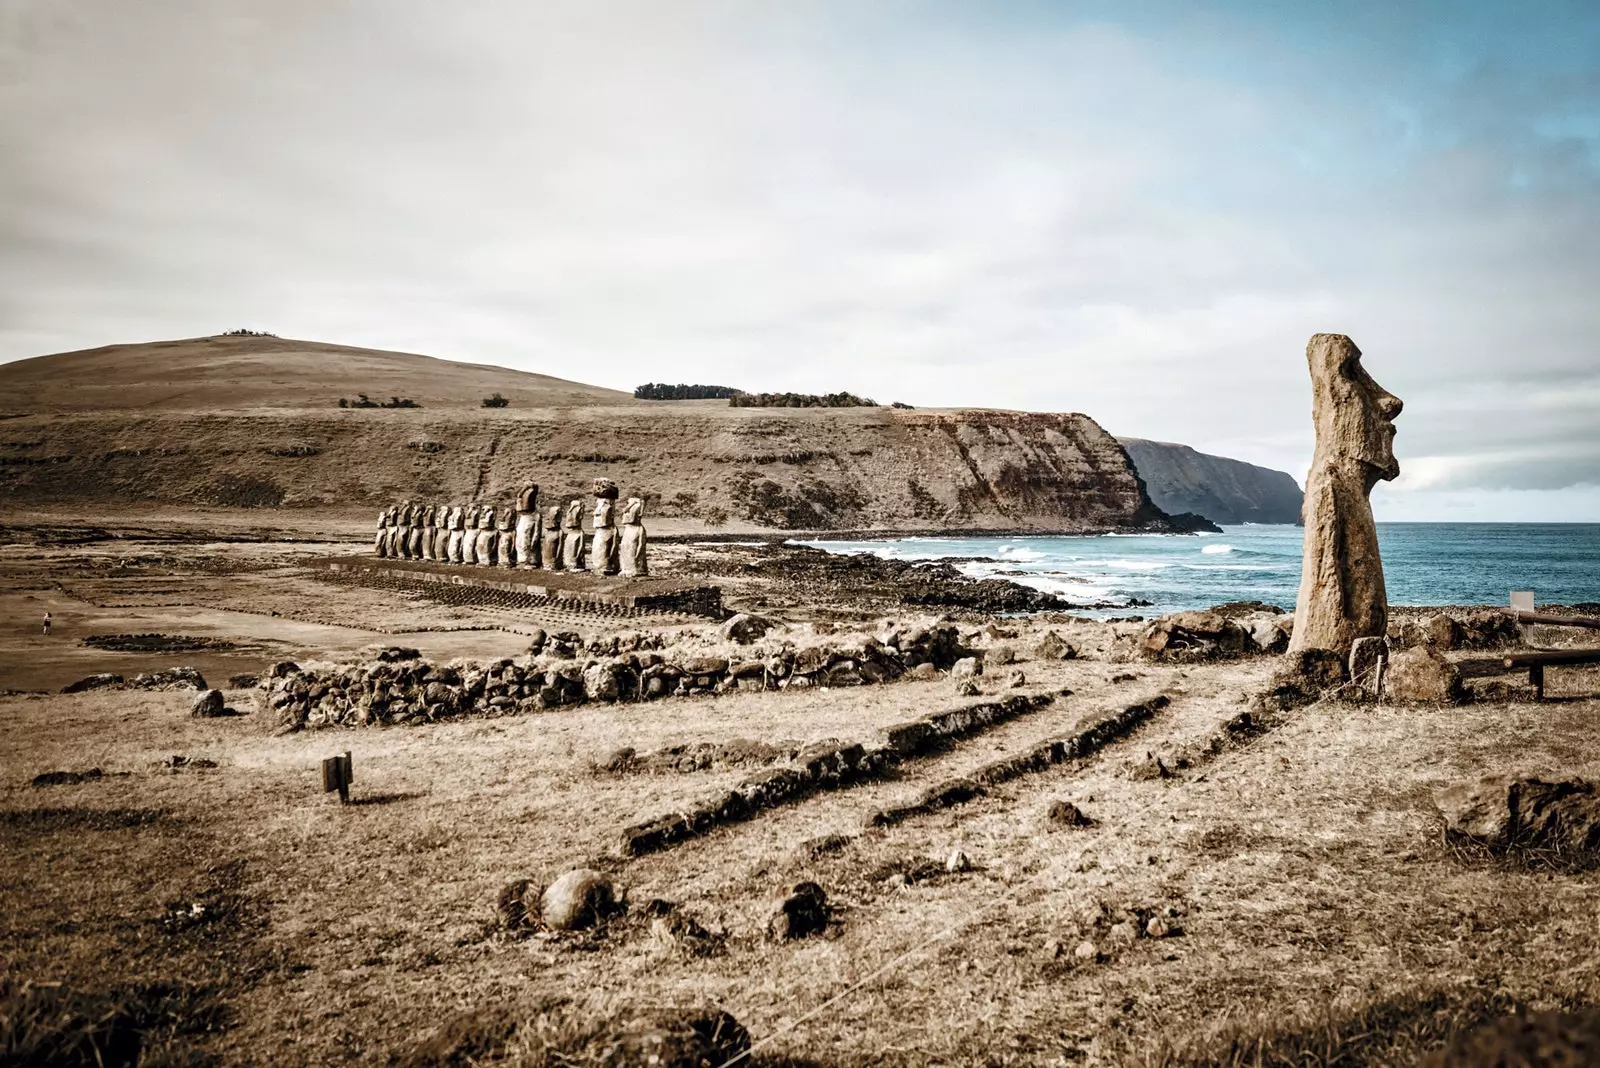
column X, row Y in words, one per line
column 700, row 465
column 1180, row 479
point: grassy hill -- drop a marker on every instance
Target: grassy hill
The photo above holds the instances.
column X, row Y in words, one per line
column 227, row 372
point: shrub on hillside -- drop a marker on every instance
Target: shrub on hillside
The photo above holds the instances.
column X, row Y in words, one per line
column 241, row 332
column 495, row 401
column 663, row 391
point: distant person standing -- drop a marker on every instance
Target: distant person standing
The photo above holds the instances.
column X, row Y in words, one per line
column 47, row 624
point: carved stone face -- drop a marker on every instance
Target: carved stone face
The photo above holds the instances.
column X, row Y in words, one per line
column 633, row 511
column 552, row 517
column 1354, row 415
column 574, row 519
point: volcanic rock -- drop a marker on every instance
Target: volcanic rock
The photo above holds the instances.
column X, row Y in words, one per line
column 1422, row 676
column 578, row 899
column 208, row 705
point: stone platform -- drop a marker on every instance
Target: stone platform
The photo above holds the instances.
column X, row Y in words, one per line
column 571, row 591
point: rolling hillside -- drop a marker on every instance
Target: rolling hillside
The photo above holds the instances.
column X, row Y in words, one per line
column 226, row 373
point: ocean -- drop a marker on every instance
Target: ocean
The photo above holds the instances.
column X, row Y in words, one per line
column 1423, row 564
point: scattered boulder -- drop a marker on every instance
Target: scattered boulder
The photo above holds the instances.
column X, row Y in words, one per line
column 1054, row 647
column 208, row 705
column 1000, row 654
column 966, row 668
column 283, row 669
column 923, row 672
column 745, row 629
column 957, row 862
column 1151, row 767
column 93, row 682
column 1405, row 633
column 1421, row 676
column 580, row 898
column 1270, row 632
column 1189, row 636
column 1500, row 811
column 799, row 914
column 1443, row 633
column 243, row 682
column 1312, row 672
column 178, row 678
column 1067, row 814
column 395, row 654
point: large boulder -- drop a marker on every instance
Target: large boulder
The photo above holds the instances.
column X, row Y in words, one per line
column 1505, row 810
column 580, row 898
column 799, row 914
column 1195, row 636
column 745, row 629
column 208, row 705
column 93, row 682
column 1421, row 676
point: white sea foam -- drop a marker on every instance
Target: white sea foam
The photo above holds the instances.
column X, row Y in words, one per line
column 1020, row 552
column 1216, row 548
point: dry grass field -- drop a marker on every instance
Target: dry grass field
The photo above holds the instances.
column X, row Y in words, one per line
column 1289, row 899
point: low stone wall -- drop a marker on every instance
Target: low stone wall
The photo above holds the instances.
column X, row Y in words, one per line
column 822, row 766
column 418, row 691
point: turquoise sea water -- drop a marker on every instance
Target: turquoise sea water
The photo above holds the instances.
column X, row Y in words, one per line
column 1423, row 563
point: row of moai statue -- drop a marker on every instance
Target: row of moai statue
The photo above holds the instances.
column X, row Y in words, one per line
column 520, row 536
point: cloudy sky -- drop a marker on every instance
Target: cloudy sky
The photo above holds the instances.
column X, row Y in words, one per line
column 1135, row 210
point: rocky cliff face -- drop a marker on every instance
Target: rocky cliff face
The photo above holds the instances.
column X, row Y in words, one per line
column 702, row 465
column 1179, row 479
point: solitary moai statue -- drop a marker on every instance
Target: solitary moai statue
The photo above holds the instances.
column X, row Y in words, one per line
column 487, row 536
column 603, row 550
column 506, row 536
column 1342, row 596
column 631, row 550
column 572, row 536
column 528, row 526
column 550, row 539
column 458, row 535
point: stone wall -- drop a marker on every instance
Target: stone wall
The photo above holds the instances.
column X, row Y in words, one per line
column 419, row 691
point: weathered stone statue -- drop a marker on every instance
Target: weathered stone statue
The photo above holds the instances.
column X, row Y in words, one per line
column 414, row 532
column 1341, row 579
column 402, row 536
column 505, row 537
column 486, row 536
column 572, row 536
column 469, row 537
column 458, row 535
column 550, row 539
column 394, row 531
column 527, row 539
column 427, row 530
column 631, row 547
column 441, row 535
column 603, row 549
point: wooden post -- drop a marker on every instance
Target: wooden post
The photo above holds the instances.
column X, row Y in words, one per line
column 1536, row 676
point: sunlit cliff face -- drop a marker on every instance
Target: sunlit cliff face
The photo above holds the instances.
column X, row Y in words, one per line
column 1354, row 413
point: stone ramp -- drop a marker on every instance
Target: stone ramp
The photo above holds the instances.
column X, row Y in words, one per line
column 513, row 588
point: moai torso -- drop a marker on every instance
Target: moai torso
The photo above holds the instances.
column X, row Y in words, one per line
column 631, row 554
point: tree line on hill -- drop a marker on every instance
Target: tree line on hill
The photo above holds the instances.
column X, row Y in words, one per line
column 738, row 398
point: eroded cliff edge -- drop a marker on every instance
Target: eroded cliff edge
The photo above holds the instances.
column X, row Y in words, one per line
column 701, row 465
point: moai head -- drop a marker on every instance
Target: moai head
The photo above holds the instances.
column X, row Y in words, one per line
column 605, row 489
column 528, row 497
column 552, row 517
column 602, row 512
column 470, row 517
column 574, row 517
column 1354, row 415
column 633, row 511
column 486, row 517
column 508, row 519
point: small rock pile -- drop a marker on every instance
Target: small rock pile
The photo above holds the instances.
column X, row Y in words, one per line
column 1485, row 628
column 178, row 678
column 1194, row 636
column 417, row 691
